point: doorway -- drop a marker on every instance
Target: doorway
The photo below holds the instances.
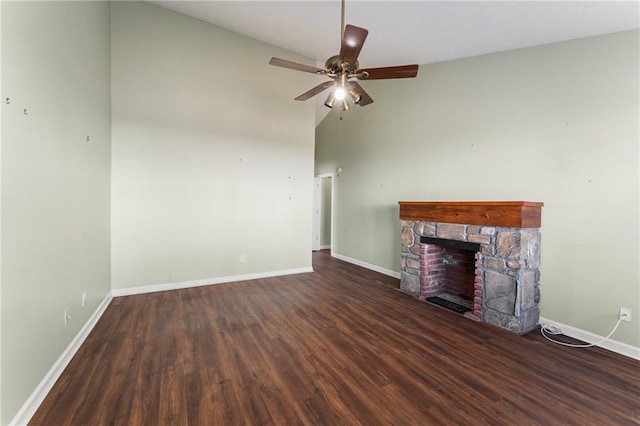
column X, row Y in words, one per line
column 322, row 212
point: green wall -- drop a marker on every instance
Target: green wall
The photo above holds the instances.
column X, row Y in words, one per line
column 212, row 158
column 555, row 123
column 197, row 154
column 55, row 184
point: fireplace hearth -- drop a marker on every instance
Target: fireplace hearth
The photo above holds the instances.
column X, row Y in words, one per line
column 482, row 255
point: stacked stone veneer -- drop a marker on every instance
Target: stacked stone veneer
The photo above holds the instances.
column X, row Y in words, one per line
column 506, row 292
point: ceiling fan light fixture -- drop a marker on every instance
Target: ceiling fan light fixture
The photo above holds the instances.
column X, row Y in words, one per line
column 340, row 93
column 331, row 100
column 355, row 97
column 344, row 105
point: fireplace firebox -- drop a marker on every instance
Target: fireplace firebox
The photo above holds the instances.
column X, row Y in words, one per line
column 449, row 268
column 484, row 256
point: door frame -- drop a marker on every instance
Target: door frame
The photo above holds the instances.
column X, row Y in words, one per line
column 333, row 206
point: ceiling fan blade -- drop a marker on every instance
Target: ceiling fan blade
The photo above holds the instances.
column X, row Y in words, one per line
column 400, row 71
column 296, row 66
column 352, row 43
column 365, row 99
column 318, row 89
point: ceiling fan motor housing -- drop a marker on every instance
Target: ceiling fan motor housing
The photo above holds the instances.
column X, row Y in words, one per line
column 334, row 64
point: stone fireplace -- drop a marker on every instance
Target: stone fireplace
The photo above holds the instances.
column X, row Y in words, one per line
column 484, row 256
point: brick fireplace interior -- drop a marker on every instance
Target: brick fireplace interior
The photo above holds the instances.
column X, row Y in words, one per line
column 449, row 268
column 482, row 256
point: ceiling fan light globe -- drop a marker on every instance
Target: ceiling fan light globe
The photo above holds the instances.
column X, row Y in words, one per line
column 331, row 99
column 340, row 93
column 355, row 97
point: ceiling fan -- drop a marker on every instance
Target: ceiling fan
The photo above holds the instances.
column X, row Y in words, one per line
column 343, row 69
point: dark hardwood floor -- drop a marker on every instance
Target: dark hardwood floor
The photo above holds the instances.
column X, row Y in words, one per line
column 338, row 346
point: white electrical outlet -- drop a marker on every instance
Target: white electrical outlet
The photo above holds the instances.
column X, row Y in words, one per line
column 84, row 299
column 625, row 314
column 67, row 315
column 242, row 258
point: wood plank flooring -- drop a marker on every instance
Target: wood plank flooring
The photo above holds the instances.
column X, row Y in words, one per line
column 340, row 346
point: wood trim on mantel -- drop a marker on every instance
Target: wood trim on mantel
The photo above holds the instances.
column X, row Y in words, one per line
column 510, row 214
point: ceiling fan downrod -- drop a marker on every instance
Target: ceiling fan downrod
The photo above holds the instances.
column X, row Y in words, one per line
column 342, row 21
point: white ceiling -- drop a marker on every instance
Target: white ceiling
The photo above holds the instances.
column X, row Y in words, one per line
column 406, row 32
column 402, row 32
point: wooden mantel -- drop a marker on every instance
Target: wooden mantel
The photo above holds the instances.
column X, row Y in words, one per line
column 510, row 214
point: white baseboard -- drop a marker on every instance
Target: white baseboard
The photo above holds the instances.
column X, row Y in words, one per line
column 152, row 288
column 29, row 408
column 376, row 268
column 586, row 336
column 325, row 247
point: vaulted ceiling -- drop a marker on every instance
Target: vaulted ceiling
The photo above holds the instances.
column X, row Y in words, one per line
column 414, row 31
column 422, row 32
